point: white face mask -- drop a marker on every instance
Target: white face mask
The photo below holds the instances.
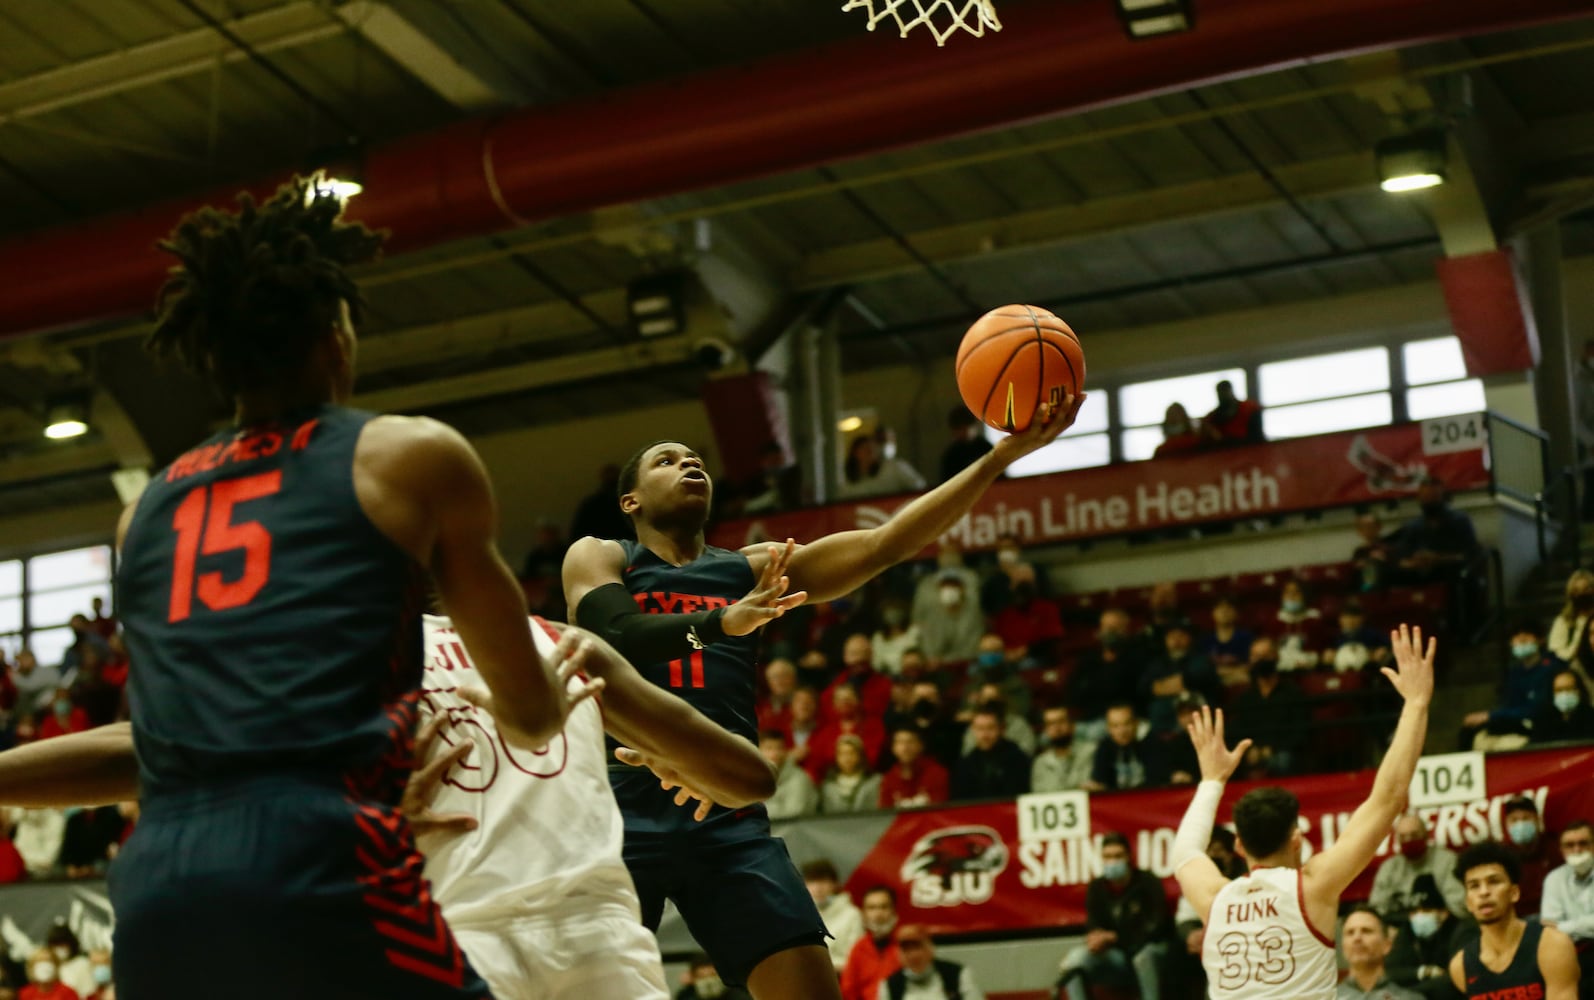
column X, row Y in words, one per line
column 709, row 987
column 951, row 595
column 1007, row 557
column 889, row 449
column 62, row 953
column 43, row 972
column 1582, row 862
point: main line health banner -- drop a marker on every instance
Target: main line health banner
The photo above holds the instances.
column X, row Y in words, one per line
column 1380, row 463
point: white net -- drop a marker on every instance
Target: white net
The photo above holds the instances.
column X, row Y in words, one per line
column 944, row 18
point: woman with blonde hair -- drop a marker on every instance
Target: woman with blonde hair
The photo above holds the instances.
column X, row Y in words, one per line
column 1567, row 633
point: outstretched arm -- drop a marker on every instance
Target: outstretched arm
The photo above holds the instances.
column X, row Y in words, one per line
column 1198, row 877
column 91, row 768
column 1328, row 873
column 838, row 564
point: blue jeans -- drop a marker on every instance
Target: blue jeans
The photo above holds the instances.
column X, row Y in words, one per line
column 1112, row 966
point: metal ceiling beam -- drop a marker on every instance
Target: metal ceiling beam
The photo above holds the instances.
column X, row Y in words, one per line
column 423, row 58
column 60, row 460
column 531, row 375
column 484, row 333
column 874, row 260
column 193, row 51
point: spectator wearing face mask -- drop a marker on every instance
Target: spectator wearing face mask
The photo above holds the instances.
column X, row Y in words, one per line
column 996, row 665
column 949, row 632
column 703, row 983
column 914, row 779
column 1106, row 674
column 1298, row 629
column 1569, row 716
column 876, row 956
column 1179, row 432
column 1127, row 924
column 1524, row 835
column 1525, row 691
column 44, row 979
column 1030, row 625
column 895, row 637
column 1420, row 960
column 1271, row 713
column 795, row 794
column 1062, row 764
column 836, row 908
column 64, row 717
column 858, row 672
column 1176, row 673
column 1569, row 896
column 1415, row 857
column 1162, row 605
column 943, row 738
column 100, row 971
column 72, row 967
column 1568, row 637
column 998, row 587
column 36, row 684
column 923, row 976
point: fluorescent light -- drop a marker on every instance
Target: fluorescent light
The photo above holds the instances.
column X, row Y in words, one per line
column 1164, row 25
column 652, row 304
column 337, row 187
column 1412, row 182
column 847, row 425
column 61, row 429
column 1152, row 18
column 657, row 327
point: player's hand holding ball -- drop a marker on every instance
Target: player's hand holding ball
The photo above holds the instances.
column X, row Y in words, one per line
column 1021, row 370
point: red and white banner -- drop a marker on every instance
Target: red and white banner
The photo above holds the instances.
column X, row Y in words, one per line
column 964, row 869
column 1328, row 470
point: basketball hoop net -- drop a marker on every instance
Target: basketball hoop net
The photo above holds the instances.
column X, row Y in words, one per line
column 973, row 16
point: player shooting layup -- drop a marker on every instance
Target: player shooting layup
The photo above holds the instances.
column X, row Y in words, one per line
column 1270, row 934
column 674, row 606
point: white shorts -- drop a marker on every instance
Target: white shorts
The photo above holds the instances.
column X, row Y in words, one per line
column 603, row 954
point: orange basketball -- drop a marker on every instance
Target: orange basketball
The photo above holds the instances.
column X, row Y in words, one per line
column 1013, row 359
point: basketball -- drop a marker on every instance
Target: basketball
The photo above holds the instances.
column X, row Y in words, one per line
column 1014, row 358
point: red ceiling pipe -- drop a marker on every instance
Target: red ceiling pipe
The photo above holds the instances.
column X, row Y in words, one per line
column 863, row 96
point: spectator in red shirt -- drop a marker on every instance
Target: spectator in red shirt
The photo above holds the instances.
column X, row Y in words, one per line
column 915, row 779
column 44, row 979
column 12, row 867
column 875, row 957
column 774, row 709
column 64, row 717
column 847, row 720
column 114, row 670
column 1179, row 432
column 1235, row 421
column 1030, row 623
column 103, row 623
column 857, row 672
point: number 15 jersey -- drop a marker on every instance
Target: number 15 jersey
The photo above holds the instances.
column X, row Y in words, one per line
column 270, row 625
column 1259, row 944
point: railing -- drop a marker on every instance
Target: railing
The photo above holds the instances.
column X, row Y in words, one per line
column 1521, row 470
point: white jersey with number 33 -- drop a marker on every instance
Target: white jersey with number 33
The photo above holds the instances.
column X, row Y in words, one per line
column 1259, row 944
column 548, row 827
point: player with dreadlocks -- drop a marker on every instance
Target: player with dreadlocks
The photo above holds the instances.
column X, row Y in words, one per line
column 272, row 583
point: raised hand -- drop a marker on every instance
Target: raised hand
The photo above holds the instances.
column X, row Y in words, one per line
column 768, row 599
column 669, row 778
column 1412, row 674
column 425, row 779
column 569, row 689
column 1217, row 760
column 1043, row 429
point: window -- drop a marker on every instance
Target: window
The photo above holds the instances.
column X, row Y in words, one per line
column 1142, row 406
column 49, row 646
column 58, row 586
column 1323, row 376
column 1083, row 445
column 56, row 607
column 1439, row 372
column 1324, row 416
column 62, row 569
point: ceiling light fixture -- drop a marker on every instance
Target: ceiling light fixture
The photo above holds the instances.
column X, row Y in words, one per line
column 66, row 421
column 1412, row 162
column 1155, row 18
column 847, row 425
column 657, row 303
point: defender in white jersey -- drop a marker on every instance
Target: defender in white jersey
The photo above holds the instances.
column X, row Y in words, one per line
column 536, row 892
column 1269, row 934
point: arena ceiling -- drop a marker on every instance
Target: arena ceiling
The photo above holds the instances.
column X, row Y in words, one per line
column 1254, row 191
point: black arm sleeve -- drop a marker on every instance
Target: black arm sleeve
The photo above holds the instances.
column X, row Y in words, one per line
column 611, row 612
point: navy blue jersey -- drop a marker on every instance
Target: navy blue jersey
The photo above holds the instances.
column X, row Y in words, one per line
column 718, row 680
column 271, row 626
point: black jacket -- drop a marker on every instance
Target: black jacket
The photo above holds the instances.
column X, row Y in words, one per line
column 1000, row 772
column 1138, row 912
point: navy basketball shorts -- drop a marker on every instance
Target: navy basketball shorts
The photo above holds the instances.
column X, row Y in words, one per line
column 276, row 887
column 736, row 887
